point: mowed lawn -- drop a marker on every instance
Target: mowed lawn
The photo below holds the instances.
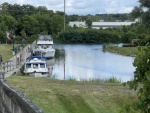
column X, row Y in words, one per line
column 59, row 96
column 5, row 51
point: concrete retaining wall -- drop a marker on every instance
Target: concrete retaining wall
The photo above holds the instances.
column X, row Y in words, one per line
column 13, row 101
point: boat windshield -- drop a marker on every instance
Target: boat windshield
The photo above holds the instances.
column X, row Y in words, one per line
column 28, row 65
column 42, row 65
column 35, row 66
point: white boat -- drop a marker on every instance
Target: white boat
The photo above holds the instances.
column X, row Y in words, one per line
column 44, row 46
column 36, row 66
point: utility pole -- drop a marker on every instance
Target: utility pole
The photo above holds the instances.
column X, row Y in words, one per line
column 64, row 14
column 64, row 65
column 64, row 32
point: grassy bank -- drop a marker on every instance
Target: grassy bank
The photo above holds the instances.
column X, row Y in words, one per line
column 5, row 51
column 127, row 51
column 58, row 96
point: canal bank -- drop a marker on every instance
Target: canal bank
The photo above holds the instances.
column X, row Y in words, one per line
column 126, row 51
column 60, row 96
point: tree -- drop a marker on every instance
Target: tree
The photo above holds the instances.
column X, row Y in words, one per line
column 143, row 11
column 10, row 21
column 56, row 23
column 127, row 37
column 88, row 23
column 141, row 81
column 4, row 7
column 30, row 25
column 23, row 34
column 136, row 12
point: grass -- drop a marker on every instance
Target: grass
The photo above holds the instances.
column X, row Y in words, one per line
column 109, row 80
column 58, row 96
column 127, row 51
column 5, row 51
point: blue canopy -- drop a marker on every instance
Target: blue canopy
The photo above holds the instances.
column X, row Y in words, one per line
column 39, row 57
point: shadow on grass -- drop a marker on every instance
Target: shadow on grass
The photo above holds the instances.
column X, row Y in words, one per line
column 74, row 104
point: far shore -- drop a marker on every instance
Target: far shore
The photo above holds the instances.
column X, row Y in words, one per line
column 126, row 51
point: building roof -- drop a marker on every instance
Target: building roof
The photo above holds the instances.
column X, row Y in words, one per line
column 112, row 23
column 77, row 23
column 100, row 24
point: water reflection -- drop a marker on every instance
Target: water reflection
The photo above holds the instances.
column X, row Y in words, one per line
column 90, row 62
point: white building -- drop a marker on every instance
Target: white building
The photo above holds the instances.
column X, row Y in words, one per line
column 78, row 24
column 97, row 25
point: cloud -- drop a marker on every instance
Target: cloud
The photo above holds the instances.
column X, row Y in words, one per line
column 82, row 7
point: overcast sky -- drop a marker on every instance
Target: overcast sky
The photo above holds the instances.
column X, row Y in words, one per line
column 82, row 7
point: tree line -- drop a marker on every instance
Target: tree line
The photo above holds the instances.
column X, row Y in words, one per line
column 27, row 21
column 98, row 17
column 122, row 34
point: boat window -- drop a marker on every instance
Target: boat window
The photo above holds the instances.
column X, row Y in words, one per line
column 28, row 65
column 42, row 65
column 35, row 65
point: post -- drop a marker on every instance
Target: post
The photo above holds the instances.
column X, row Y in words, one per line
column 12, row 37
column 1, row 76
column 64, row 65
column 1, row 59
column 64, row 15
column 13, row 48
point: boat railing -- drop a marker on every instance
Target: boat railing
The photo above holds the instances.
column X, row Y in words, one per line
column 42, row 58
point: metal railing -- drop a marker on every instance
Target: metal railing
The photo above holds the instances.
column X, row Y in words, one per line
column 7, row 66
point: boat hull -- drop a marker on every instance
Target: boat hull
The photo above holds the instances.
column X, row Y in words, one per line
column 50, row 54
column 37, row 75
column 46, row 53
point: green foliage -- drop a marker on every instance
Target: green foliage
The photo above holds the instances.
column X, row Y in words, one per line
column 89, row 36
column 127, row 37
column 23, row 34
column 88, row 23
column 32, row 38
column 136, row 12
column 140, row 12
column 141, row 81
column 30, row 25
column 104, row 46
column 28, row 20
column 98, row 17
column 57, row 23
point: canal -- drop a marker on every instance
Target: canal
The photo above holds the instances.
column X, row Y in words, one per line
column 88, row 62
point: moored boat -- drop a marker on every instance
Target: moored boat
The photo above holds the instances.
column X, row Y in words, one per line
column 45, row 46
column 36, row 66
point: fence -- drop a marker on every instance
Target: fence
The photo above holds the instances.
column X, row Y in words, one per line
column 7, row 66
column 17, row 60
